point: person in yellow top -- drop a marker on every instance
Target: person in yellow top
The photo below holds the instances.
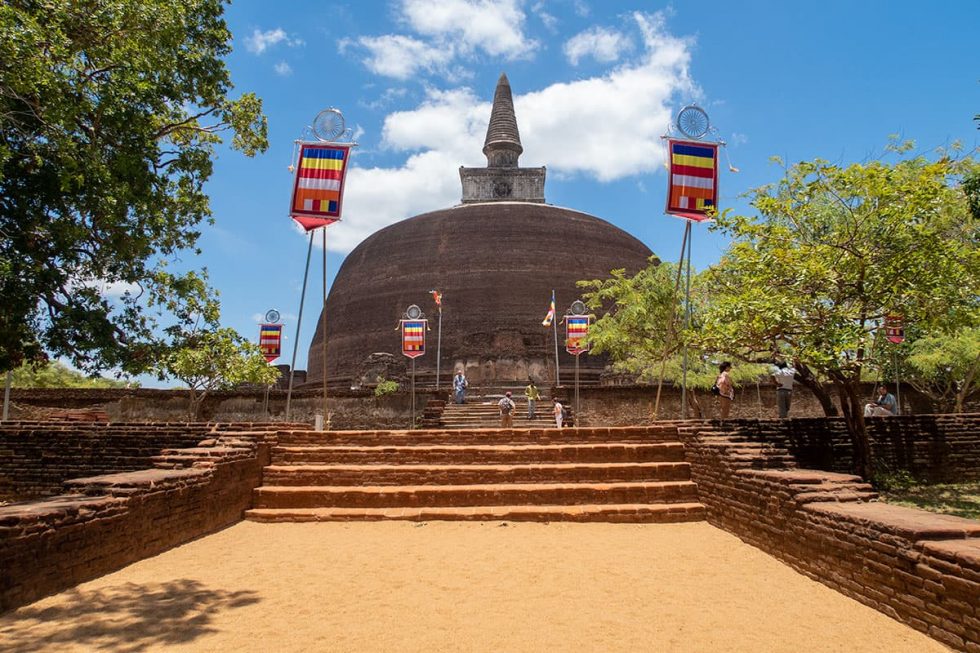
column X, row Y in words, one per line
column 531, row 391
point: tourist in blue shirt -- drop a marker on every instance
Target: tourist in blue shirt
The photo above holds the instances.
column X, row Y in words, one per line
column 884, row 406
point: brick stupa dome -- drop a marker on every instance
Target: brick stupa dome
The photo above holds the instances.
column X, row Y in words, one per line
column 496, row 258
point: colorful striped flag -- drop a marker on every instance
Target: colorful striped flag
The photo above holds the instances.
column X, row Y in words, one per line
column 437, row 296
column 270, row 341
column 576, row 333
column 413, row 338
column 550, row 317
column 692, row 188
column 318, row 190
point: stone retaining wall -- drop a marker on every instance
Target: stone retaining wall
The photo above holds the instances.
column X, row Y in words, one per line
column 920, row 568
column 106, row 522
column 36, row 458
column 933, row 448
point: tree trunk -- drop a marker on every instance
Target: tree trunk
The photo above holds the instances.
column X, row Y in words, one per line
column 853, row 409
column 806, row 377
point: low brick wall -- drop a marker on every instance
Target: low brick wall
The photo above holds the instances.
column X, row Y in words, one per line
column 920, row 568
column 36, row 458
column 934, row 448
column 105, row 522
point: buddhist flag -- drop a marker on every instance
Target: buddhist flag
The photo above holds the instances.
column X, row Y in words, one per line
column 436, row 296
column 413, row 338
column 894, row 329
column 318, row 191
column 270, row 341
column 692, row 189
column 550, row 317
column 576, row 333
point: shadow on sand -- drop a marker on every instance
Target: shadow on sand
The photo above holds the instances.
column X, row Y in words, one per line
column 123, row 618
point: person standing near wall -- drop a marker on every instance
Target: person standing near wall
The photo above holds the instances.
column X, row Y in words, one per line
column 782, row 375
column 533, row 395
column 726, row 390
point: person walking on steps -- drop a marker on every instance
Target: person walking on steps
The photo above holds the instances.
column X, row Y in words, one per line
column 459, row 387
column 507, row 407
column 532, row 398
column 559, row 412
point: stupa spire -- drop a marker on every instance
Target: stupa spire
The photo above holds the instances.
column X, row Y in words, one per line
column 503, row 145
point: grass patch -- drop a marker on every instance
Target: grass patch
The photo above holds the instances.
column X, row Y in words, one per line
column 960, row 499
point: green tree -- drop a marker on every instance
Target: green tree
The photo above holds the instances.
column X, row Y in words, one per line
column 216, row 359
column 58, row 375
column 110, row 113
column 836, row 249
column 640, row 326
column 946, row 367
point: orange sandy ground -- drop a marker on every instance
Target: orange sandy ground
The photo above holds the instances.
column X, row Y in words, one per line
column 449, row 586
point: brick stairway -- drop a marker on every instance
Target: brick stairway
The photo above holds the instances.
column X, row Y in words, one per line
column 635, row 474
column 483, row 413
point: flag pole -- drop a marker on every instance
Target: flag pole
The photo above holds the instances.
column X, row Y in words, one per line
column 323, row 329
column 687, row 321
column 299, row 322
column 439, row 346
column 554, row 326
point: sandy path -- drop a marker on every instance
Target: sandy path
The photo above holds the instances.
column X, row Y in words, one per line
column 447, row 586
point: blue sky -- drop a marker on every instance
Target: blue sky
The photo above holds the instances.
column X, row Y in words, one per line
column 595, row 84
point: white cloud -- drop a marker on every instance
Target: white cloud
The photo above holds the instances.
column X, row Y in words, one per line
column 604, row 128
column 119, row 288
column 444, row 33
column 494, row 26
column 283, row 69
column 394, row 55
column 604, row 45
column 261, row 41
column 548, row 20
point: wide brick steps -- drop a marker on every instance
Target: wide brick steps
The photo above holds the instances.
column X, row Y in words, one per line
column 491, row 494
column 481, row 453
column 636, row 474
column 474, row 474
column 486, row 414
column 494, row 436
column 652, row 513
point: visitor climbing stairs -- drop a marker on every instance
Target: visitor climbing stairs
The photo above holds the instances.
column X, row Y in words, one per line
column 634, row 474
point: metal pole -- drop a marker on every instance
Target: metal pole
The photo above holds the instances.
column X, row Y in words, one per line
column 554, row 325
column 687, row 322
column 439, row 348
column 323, row 329
column 670, row 325
column 6, row 395
column 898, row 381
column 413, row 392
column 265, row 403
column 577, row 413
column 299, row 322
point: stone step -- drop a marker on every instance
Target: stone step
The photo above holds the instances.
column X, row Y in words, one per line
column 500, row 494
column 487, row 454
column 630, row 513
column 478, row 436
column 333, row 475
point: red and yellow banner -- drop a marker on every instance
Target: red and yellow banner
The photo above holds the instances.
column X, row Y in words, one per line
column 576, row 334
column 270, row 341
column 318, row 190
column 413, row 337
column 895, row 329
column 692, row 187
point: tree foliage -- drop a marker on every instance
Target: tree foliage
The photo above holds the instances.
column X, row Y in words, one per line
column 946, row 367
column 58, row 375
column 834, row 250
column 110, row 113
column 216, row 359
